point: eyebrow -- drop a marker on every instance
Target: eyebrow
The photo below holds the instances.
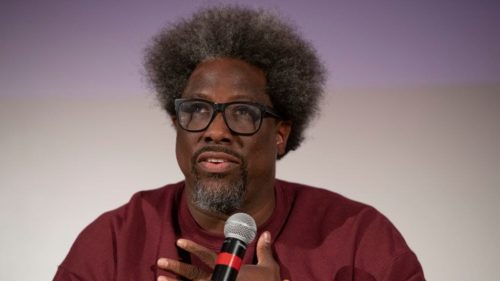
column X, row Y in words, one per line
column 237, row 97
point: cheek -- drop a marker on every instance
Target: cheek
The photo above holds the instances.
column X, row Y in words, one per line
column 263, row 153
column 183, row 153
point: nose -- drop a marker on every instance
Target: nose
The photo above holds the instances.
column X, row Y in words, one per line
column 217, row 132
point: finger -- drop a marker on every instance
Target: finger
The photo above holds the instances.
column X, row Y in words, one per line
column 264, row 251
column 189, row 271
column 207, row 256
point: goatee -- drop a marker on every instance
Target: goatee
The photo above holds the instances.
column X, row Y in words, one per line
column 220, row 193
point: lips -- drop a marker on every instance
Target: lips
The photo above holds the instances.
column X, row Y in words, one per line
column 217, row 162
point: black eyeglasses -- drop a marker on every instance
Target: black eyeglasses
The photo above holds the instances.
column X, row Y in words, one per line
column 242, row 118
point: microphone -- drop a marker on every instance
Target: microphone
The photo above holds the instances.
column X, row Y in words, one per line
column 239, row 230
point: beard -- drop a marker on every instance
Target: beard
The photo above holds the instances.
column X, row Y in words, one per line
column 221, row 193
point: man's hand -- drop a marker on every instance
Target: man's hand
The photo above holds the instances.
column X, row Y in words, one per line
column 265, row 269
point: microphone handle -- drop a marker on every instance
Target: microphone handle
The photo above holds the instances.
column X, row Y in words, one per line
column 229, row 260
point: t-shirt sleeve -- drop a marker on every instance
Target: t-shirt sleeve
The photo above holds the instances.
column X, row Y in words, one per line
column 405, row 267
column 383, row 252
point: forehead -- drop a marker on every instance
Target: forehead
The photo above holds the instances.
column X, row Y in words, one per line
column 227, row 79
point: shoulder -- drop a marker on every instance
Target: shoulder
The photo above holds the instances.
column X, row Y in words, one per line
column 154, row 200
column 315, row 199
column 366, row 238
column 113, row 230
column 142, row 205
column 330, row 208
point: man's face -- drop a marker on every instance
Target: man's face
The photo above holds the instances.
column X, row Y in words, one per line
column 226, row 172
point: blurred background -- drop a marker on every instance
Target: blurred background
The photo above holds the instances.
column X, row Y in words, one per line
column 410, row 122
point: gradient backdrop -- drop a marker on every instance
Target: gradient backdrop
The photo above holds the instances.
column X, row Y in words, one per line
column 410, row 122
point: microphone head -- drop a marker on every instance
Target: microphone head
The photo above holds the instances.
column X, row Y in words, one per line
column 240, row 226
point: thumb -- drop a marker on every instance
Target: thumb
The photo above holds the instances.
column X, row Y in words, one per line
column 264, row 251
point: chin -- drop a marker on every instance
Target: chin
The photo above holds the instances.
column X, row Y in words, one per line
column 219, row 194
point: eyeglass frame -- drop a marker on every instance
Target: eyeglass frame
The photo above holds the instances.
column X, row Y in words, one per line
column 265, row 111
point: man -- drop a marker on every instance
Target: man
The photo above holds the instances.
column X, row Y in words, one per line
column 240, row 87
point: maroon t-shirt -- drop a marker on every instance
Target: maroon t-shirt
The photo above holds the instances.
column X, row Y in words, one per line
column 317, row 235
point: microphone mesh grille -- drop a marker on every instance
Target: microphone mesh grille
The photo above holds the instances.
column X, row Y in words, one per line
column 240, row 226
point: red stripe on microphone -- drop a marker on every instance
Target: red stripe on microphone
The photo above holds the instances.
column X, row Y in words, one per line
column 229, row 260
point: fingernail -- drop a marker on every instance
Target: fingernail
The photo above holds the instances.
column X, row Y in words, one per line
column 181, row 243
column 162, row 262
column 267, row 237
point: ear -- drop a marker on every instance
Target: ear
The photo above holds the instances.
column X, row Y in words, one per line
column 174, row 121
column 283, row 130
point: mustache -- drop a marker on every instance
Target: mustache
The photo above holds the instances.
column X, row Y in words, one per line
column 214, row 148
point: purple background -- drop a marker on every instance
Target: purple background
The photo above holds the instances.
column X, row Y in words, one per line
column 67, row 48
